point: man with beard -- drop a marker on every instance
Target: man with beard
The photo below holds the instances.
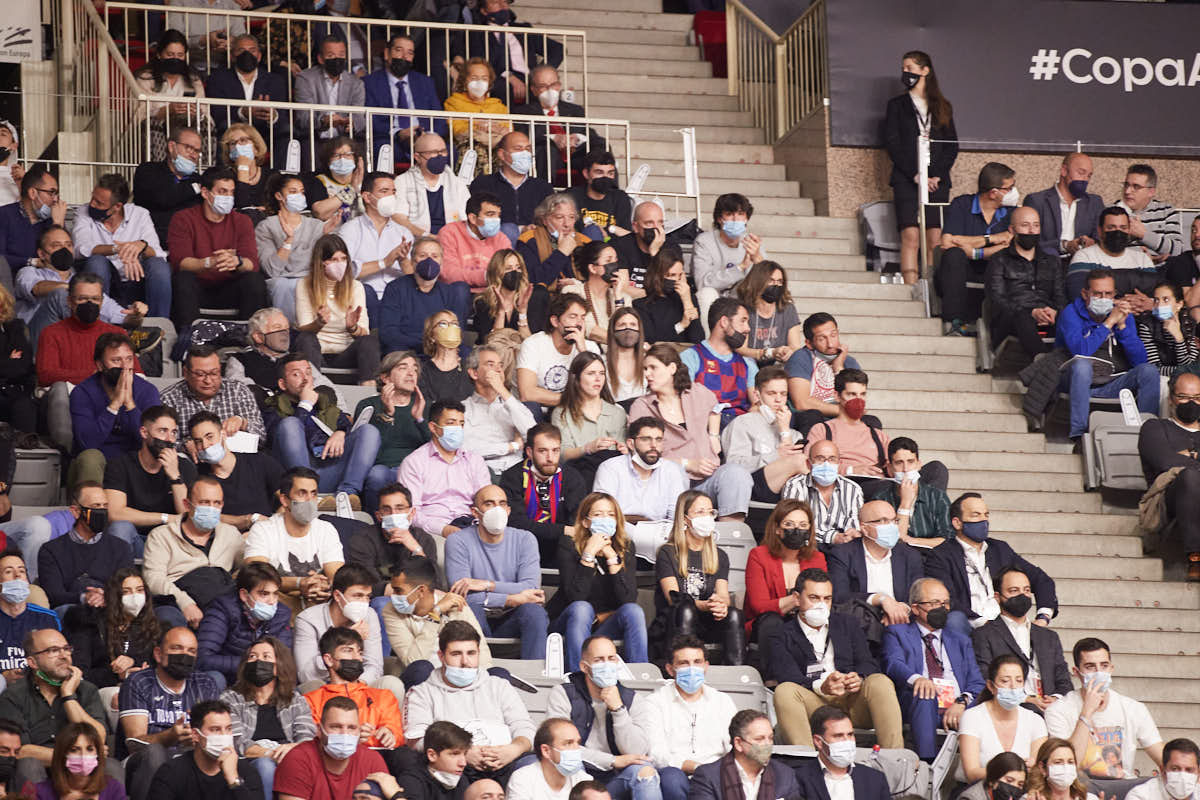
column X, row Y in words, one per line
column 812, row 368
column 543, row 494
column 544, row 360
column 1132, row 268
column 715, row 362
column 645, row 485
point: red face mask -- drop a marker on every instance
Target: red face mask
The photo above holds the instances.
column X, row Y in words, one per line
column 855, row 408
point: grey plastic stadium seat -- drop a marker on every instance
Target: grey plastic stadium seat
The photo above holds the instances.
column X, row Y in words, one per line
column 1110, row 453
column 37, row 478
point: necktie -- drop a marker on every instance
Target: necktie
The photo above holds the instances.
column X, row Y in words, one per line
column 932, row 663
column 402, row 95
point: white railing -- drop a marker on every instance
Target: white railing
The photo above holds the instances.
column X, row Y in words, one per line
column 290, row 39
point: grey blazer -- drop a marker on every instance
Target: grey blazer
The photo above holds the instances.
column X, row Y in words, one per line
column 310, row 88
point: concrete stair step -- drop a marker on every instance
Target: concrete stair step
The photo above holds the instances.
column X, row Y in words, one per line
column 653, row 90
column 911, row 381
column 892, row 293
column 1028, row 501
column 1054, row 523
column 801, row 258
column 655, row 21
column 1122, row 594
column 1147, row 667
column 711, row 152
column 827, row 226
column 716, row 170
column 1148, row 642
column 699, row 115
column 1031, row 545
column 1111, row 568
column 914, row 345
column 874, row 362
column 1164, row 620
column 767, row 190
column 940, row 401
column 1154, row 690
column 821, row 246
column 597, row 35
column 1173, row 715
column 852, row 325
column 705, row 134
column 907, row 422
column 527, row 6
column 1005, row 463
column 666, row 102
column 649, row 69
column 986, row 444
column 844, row 276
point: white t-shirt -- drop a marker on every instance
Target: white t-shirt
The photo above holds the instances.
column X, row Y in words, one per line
column 528, row 783
column 1130, row 258
column 977, row 722
column 539, row 355
column 1150, row 790
column 1123, row 724
column 294, row 556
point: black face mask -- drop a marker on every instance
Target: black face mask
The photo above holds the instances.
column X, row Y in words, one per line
column 936, row 618
column 99, row 214
column 501, row 17
column 334, row 66
column 1115, row 241
column 245, row 61
column 62, row 259
column 259, row 673
column 626, row 338
column 1027, row 241
column 794, row 539
column 156, row 446
column 4, row 154
column 400, row 67
column 772, row 294
column 87, row 313
column 95, row 518
column 510, row 280
column 1018, row 605
column 669, row 287
column 111, row 375
column 173, row 66
column 1006, row 791
column 603, row 185
column 735, row 339
column 611, row 269
column 7, row 765
column 909, row 79
column 648, row 235
column 349, row 669
column 179, row 665
column 1188, row 413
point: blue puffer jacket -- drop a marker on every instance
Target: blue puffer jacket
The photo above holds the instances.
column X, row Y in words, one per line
column 228, row 630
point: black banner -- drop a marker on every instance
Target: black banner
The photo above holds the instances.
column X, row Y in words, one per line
column 1025, row 74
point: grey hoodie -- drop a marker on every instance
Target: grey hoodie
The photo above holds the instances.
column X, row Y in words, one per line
column 488, row 702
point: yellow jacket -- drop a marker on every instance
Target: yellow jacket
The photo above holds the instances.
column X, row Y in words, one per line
column 464, row 103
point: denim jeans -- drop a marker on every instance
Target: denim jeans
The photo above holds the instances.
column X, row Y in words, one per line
column 527, row 622
column 266, row 771
column 283, row 295
column 625, row 784
column 126, row 532
column 576, row 622
column 378, row 477
column 730, row 487
column 155, row 288
column 28, row 535
column 346, row 473
column 378, row 604
column 1142, row 379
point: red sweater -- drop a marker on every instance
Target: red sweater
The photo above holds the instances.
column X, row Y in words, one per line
column 64, row 351
column 764, row 581
column 191, row 235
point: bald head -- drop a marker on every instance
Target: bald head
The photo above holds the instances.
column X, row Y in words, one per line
column 1022, row 217
column 1187, row 386
column 516, row 140
column 430, row 141
column 485, row 789
column 874, row 511
column 823, row 448
column 1075, row 167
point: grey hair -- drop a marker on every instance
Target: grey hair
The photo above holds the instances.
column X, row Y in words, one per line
column 425, row 239
column 541, row 68
column 479, row 350
column 258, row 320
column 395, row 358
column 243, row 37
column 917, row 590
column 551, row 202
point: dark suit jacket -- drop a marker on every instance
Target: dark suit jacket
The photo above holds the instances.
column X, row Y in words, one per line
column 226, row 83
column 1181, row 270
column 904, row 656
column 545, row 150
column 574, row 489
column 1045, row 202
column 947, row 563
column 995, row 639
column 900, row 134
column 706, row 781
column 378, row 94
column 538, row 49
column 869, row 783
column 847, row 565
column 793, row 653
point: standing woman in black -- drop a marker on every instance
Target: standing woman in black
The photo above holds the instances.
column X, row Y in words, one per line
column 921, row 108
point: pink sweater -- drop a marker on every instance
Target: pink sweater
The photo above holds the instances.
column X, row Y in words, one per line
column 465, row 256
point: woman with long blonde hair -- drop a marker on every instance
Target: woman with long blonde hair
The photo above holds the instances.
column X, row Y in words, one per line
column 443, row 375
column 331, row 313
column 692, row 576
column 1055, row 775
column 509, row 300
column 597, row 593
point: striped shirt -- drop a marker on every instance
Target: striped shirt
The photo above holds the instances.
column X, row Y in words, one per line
column 1163, row 231
column 233, row 399
column 829, row 520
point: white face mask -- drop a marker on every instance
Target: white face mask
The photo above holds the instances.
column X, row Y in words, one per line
column 133, row 603
column 447, row 779
column 386, row 205
column 357, row 610
column 495, row 519
column 704, row 527
column 1011, row 198
column 549, row 98
column 477, row 89
column 817, row 615
column 1180, row 785
column 216, row 743
column 1061, row 775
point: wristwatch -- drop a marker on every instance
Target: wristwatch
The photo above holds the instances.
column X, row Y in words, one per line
column 237, row 784
column 987, row 240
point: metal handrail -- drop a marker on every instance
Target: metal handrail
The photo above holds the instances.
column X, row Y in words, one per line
column 781, row 80
column 358, row 32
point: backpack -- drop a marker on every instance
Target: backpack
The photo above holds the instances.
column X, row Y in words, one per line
column 217, row 332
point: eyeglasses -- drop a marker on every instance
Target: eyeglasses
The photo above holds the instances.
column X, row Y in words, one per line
column 1187, row 398
column 880, row 521
column 933, row 603
column 51, row 192
column 60, row 650
column 188, row 149
column 428, row 153
column 206, row 374
column 1137, row 187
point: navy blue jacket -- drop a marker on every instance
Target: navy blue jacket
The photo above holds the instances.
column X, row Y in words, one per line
column 869, row 783
column 378, row 94
column 404, row 309
column 228, row 630
column 225, row 83
column 13, row 630
column 516, row 204
column 1045, row 203
column 847, row 565
column 66, row 568
column 947, row 563
column 793, row 653
column 19, row 236
column 706, row 781
column 904, row 656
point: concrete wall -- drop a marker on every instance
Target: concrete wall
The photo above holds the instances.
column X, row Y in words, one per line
column 853, row 176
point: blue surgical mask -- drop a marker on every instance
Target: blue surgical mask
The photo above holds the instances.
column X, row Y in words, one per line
column 734, row 228
column 604, row 526
column 489, row 227
column 1100, row 306
column 1010, row 698
column 44, row 211
column 522, row 162
column 461, row 676
column 341, row 166
column 825, row 474
column 184, row 166
column 569, row 761
column 1163, row 312
column 341, row 745
column 241, row 151
column 206, row 517
column 395, row 522
column 403, row 605
column 690, row 679
column 295, row 202
column 887, row 534
column 15, row 591
column 222, row 204
column 452, row 437
column 263, row 611
column 605, row 673
column 213, row 453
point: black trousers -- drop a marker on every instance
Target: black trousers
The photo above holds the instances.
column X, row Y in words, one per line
column 934, row 473
column 362, row 355
column 761, row 630
column 1183, row 502
column 684, row 619
column 245, row 291
column 950, row 280
column 1020, row 324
